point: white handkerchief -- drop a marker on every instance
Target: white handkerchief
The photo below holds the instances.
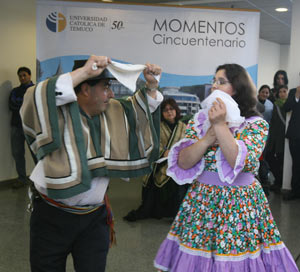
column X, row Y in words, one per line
column 127, row 74
column 233, row 115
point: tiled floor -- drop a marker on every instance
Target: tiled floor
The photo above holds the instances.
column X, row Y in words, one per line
column 137, row 242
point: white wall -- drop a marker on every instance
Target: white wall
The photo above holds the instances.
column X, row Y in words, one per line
column 294, row 56
column 268, row 62
column 17, row 32
column 284, row 57
column 18, row 46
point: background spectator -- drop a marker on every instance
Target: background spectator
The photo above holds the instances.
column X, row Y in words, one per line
column 263, row 173
column 280, row 78
column 161, row 196
column 263, row 95
column 17, row 134
column 293, row 134
column 275, row 145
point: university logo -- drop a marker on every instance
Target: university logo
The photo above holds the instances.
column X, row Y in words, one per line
column 56, row 22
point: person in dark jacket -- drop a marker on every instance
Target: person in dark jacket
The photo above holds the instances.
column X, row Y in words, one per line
column 293, row 134
column 17, row 134
column 275, row 145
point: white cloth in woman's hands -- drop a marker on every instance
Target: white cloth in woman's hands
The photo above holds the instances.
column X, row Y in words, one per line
column 233, row 114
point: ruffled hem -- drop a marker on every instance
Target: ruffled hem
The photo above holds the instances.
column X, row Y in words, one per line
column 226, row 172
column 171, row 257
column 179, row 175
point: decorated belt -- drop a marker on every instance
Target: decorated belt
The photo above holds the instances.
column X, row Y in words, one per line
column 72, row 209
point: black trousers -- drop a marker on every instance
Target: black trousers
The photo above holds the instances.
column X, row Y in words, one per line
column 18, row 151
column 276, row 166
column 295, row 153
column 54, row 234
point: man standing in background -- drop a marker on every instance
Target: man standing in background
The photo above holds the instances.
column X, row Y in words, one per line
column 17, row 134
column 293, row 134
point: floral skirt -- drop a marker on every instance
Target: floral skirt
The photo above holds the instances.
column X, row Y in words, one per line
column 224, row 228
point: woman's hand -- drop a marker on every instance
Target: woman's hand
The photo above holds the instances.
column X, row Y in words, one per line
column 210, row 137
column 226, row 141
column 192, row 154
column 217, row 113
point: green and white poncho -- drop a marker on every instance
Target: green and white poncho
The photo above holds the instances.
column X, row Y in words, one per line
column 121, row 142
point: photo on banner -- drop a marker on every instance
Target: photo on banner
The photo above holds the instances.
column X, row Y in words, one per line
column 188, row 43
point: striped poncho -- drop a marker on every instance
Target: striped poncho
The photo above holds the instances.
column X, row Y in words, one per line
column 121, row 142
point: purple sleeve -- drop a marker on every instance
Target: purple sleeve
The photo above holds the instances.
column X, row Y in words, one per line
column 179, row 175
column 201, row 124
column 226, row 172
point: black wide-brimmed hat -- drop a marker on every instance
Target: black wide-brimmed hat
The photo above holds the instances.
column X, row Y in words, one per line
column 104, row 75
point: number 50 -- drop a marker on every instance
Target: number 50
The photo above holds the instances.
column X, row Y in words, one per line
column 117, row 25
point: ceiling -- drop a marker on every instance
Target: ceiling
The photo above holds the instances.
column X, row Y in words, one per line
column 274, row 26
